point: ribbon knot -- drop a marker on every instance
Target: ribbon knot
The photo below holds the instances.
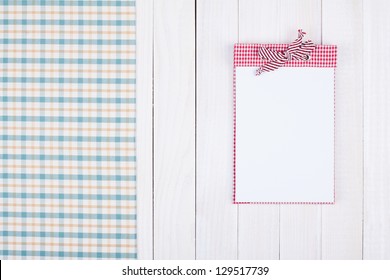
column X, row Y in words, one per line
column 297, row 50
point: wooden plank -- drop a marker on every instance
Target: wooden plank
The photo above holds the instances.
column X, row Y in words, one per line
column 258, row 231
column 300, row 225
column 376, row 130
column 174, row 129
column 342, row 222
column 144, row 129
column 216, row 216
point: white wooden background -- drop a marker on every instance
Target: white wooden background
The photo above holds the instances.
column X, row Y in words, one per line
column 184, row 91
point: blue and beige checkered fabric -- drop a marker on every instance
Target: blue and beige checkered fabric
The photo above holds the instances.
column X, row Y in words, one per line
column 67, row 129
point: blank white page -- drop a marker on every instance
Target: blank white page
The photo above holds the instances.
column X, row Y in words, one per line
column 285, row 135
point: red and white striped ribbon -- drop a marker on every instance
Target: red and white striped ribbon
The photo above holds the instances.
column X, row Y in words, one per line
column 297, row 50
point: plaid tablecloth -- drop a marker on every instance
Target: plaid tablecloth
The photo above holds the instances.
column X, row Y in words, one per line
column 67, row 129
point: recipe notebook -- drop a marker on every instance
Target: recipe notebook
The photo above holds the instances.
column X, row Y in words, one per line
column 283, row 124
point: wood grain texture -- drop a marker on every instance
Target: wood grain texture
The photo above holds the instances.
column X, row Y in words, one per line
column 144, row 129
column 342, row 223
column 216, row 216
column 376, row 130
column 258, row 230
column 174, row 129
column 207, row 225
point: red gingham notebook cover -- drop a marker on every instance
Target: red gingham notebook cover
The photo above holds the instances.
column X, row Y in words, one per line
column 246, row 55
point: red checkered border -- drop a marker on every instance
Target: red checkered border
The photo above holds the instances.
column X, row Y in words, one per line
column 246, row 55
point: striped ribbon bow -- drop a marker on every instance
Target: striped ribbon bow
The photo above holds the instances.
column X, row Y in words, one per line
column 297, row 50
